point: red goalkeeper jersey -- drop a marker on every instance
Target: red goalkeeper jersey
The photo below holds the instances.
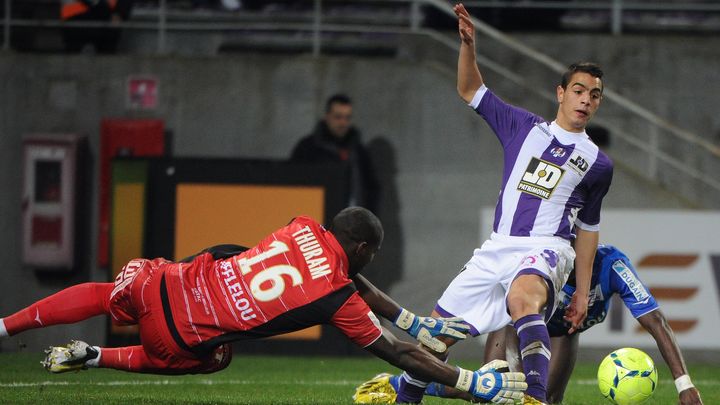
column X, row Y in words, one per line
column 295, row 278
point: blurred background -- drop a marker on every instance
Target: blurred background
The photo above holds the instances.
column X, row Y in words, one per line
column 114, row 113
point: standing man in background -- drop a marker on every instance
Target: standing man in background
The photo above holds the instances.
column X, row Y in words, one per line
column 336, row 140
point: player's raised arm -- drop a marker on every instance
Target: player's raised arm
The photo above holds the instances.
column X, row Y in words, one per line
column 656, row 324
column 469, row 78
column 425, row 329
column 585, row 248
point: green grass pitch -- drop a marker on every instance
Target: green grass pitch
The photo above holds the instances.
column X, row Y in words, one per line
column 265, row 380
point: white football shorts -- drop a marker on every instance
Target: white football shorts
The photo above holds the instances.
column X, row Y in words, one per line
column 478, row 293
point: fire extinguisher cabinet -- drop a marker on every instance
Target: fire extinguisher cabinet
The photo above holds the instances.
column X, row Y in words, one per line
column 51, row 183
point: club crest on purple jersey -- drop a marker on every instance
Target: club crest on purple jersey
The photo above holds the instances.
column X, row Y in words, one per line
column 557, row 152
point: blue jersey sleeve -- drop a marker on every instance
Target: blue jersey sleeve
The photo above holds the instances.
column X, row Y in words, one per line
column 624, row 281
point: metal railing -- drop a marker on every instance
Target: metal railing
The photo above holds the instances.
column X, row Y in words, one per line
column 615, row 8
column 662, row 143
column 610, row 95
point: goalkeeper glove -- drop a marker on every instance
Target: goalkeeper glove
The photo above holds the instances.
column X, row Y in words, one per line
column 426, row 329
column 493, row 382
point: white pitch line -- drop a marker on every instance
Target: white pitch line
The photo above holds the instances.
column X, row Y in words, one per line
column 666, row 381
column 20, row 384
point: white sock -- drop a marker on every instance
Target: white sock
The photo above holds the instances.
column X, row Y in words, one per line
column 3, row 331
column 96, row 361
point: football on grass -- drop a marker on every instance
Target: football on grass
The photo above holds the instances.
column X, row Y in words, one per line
column 627, row 376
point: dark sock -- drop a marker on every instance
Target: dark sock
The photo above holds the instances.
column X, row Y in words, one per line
column 410, row 390
column 535, row 353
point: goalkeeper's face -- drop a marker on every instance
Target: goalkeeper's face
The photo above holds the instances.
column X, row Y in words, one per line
column 363, row 255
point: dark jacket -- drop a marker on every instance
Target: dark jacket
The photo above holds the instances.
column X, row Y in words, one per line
column 320, row 146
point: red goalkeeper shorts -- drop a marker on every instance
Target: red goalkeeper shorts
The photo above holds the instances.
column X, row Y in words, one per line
column 136, row 300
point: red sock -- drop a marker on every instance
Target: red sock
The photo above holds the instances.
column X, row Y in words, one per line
column 135, row 359
column 130, row 358
column 70, row 305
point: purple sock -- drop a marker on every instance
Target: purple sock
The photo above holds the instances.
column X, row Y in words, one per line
column 410, row 390
column 535, row 353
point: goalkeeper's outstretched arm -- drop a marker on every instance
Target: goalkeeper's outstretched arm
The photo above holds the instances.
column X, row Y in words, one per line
column 426, row 330
column 491, row 383
column 380, row 303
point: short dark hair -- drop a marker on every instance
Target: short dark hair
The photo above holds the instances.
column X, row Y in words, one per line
column 357, row 224
column 339, row 98
column 593, row 69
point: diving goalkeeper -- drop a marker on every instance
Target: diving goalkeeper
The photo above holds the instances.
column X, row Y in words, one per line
column 301, row 275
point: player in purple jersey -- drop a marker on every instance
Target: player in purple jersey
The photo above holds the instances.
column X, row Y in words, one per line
column 553, row 182
column 613, row 273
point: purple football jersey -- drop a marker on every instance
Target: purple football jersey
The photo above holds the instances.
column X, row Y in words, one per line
column 553, row 179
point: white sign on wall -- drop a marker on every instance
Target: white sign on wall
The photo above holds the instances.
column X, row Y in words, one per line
column 677, row 256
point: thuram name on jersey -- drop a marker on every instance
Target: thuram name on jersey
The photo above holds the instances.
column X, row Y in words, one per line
column 313, row 253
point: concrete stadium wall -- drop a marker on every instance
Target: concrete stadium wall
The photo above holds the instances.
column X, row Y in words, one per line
column 440, row 162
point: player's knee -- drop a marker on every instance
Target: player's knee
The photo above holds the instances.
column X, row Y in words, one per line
column 520, row 305
column 218, row 360
column 528, row 295
column 223, row 356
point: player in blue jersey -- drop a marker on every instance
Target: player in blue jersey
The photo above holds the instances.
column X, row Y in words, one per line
column 553, row 182
column 613, row 273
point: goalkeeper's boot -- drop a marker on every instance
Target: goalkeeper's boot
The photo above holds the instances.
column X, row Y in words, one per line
column 531, row 400
column 61, row 359
column 378, row 390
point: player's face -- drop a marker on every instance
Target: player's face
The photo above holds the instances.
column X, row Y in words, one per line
column 368, row 254
column 363, row 255
column 339, row 119
column 579, row 101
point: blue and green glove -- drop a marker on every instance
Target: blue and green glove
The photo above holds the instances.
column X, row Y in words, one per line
column 493, row 382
